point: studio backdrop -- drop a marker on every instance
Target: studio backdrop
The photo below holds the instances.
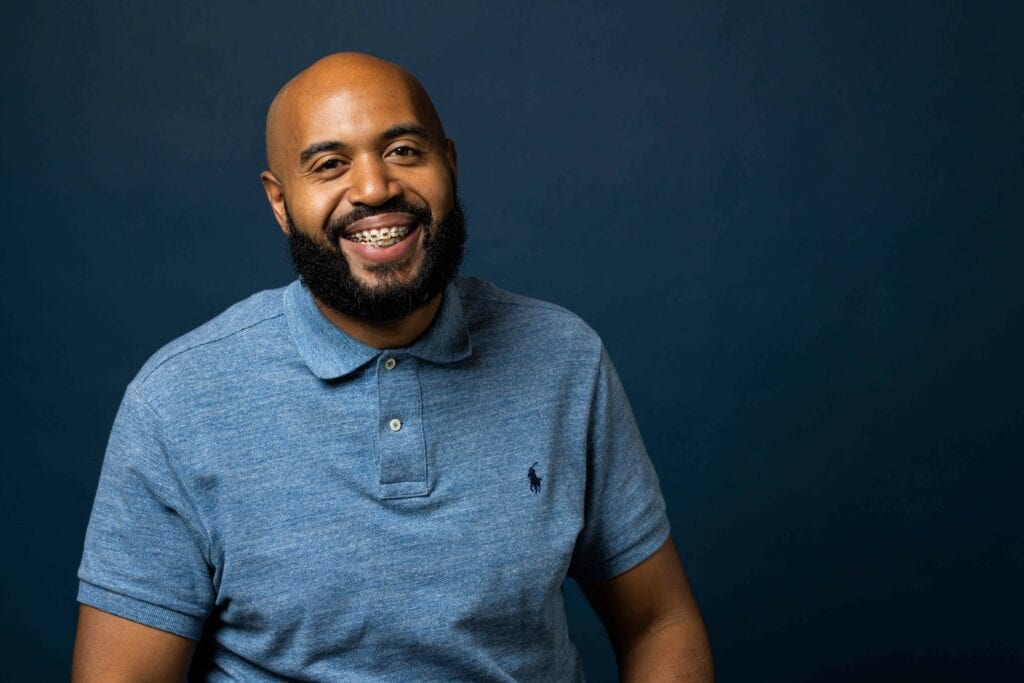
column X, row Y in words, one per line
column 796, row 226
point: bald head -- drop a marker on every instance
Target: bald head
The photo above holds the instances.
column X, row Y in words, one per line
column 359, row 81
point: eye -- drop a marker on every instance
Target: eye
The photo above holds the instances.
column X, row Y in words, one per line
column 404, row 151
column 329, row 165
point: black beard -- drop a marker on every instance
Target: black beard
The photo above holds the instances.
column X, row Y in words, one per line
column 324, row 270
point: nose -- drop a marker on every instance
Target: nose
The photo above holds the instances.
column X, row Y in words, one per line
column 371, row 185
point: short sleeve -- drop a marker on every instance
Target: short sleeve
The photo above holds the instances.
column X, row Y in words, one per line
column 625, row 520
column 145, row 556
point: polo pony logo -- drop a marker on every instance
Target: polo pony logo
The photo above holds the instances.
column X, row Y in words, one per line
column 534, row 479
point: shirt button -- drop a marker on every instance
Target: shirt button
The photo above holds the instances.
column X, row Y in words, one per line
column 390, row 364
column 395, row 424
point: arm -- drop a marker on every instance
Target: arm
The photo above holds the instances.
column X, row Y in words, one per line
column 111, row 649
column 653, row 621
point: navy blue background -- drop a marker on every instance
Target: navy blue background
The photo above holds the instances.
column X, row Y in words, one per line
column 796, row 225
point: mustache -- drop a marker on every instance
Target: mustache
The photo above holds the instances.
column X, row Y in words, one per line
column 337, row 227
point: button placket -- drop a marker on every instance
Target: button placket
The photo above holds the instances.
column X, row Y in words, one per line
column 402, row 452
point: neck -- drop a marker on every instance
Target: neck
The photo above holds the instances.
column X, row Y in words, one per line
column 396, row 335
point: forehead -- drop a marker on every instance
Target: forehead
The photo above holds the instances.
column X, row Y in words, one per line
column 353, row 112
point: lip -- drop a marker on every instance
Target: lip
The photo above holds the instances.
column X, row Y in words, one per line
column 382, row 220
column 370, row 254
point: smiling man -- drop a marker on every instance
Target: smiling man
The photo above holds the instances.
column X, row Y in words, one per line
column 381, row 472
column 368, row 194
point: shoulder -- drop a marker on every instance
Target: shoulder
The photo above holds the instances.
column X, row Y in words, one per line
column 237, row 334
column 490, row 309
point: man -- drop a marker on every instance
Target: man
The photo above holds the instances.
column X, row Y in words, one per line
column 380, row 472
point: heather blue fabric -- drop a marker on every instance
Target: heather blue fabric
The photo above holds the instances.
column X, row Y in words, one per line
column 255, row 496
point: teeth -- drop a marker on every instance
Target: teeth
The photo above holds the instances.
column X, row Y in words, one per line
column 380, row 237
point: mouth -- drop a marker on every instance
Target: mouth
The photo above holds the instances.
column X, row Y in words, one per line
column 387, row 238
column 381, row 237
column 382, row 230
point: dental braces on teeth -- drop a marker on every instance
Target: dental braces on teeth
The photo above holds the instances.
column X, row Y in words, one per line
column 383, row 237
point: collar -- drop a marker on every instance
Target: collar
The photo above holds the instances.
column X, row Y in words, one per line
column 330, row 353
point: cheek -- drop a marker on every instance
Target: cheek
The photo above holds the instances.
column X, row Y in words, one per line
column 440, row 195
column 314, row 211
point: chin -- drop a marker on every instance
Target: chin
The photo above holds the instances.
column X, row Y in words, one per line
column 393, row 274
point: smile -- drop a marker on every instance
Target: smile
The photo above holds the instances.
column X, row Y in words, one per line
column 381, row 237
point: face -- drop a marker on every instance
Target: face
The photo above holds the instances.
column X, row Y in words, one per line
column 325, row 270
column 363, row 177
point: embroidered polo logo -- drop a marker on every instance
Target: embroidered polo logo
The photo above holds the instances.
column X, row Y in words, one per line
column 534, row 479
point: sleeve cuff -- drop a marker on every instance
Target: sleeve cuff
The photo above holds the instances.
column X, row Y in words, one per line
column 645, row 546
column 139, row 611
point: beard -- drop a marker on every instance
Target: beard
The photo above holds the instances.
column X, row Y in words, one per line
column 324, row 269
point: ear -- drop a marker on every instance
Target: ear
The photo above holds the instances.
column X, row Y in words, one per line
column 275, row 195
column 451, row 156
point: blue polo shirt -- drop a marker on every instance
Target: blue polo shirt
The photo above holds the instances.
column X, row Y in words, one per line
column 308, row 507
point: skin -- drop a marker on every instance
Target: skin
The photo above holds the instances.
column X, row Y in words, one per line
column 653, row 621
column 353, row 100
column 109, row 648
column 649, row 611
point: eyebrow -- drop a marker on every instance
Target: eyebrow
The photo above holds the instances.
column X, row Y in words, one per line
column 405, row 129
column 317, row 147
column 391, row 133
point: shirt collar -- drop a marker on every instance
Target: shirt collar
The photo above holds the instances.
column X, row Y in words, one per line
column 330, row 353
